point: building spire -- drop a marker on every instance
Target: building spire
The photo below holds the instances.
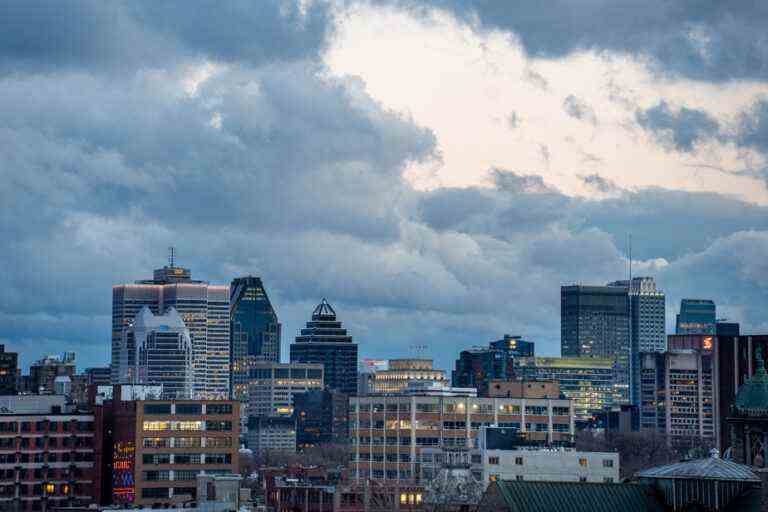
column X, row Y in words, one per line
column 171, row 256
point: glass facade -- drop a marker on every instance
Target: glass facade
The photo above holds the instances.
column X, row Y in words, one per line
column 325, row 341
column 254, row 331
column 696, row 316
column 475, row 368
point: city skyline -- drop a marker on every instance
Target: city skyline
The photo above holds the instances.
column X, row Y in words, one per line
column 413, row 162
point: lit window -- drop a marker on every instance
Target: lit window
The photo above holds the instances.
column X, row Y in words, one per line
column 582, row 462
column 49, row 488
column 403, row 498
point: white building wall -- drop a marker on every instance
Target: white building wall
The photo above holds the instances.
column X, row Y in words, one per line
column 548, row 465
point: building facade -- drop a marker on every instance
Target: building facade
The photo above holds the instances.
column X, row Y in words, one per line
column 398, row 373
column 277, row 433
column 324, row 341
column 594, row 322
column 389, row 433
column 159, row 447
column 589, row 382
column 254, row 331
column 697, row 316
column 678, row 396
column 157, row 349
column 203, row 307
column 272, row 386
column 49, row 455
column 9, row 365
column 475, row 368
column 98, row 376
column 44, row 372
column 322, row 417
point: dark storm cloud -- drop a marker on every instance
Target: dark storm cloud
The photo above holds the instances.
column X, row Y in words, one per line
column 680, row 130
column 705, row 40
column 117, row 35
column 753, row 127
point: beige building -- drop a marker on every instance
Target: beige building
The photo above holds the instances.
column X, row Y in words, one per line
column 399, row 373
column 389, row 433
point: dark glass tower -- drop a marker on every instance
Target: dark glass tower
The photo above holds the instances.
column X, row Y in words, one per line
column 475, row 368
column 325, row 341
column 594, row 322
column 254, row 331
column 697, row 316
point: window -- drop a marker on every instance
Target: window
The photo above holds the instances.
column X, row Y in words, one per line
column 582, row 479
column 607, row 463
column 218, row 458
column 156, row 458
column 185, row 474
column 189, row 409
column 519, row 477
column 157, row 409
column 608, row 480
column 583, row 462
column 518, row 461
column 156, row 442
column 218, row 409
column 156, row 476
column 187, row 442
column 218, row 426
column 154, row 492
column 494, row 461
column 187, row 458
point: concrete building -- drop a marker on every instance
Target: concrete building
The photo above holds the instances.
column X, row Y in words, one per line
column 389, row 433
column 589, row 382
column 159, row 447
column 49, row 454
column 476, row 367
column 98, row 376
column 271, row 433
column 203, row 307
column 324, row 341
column 43, row 372
column 595, row 322
column 272, row 386
column 398, row 373
column 677, row 396
column 254, row 331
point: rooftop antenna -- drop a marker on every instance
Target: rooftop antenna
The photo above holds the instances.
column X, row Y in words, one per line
column 171, row 256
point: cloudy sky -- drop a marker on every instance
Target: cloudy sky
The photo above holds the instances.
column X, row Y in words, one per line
column 436, row 169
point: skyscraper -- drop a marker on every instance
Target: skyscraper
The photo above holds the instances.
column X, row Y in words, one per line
column 254, row 331
column 594, row 322
column 697, row 316
column 157, row 349
column 204, row 309
column 9, row 362
column 648, row 326
column 324, row 341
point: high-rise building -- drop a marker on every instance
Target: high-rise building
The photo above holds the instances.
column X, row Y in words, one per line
column 647, row 325
column 204, row 309
column 98, row 376
column 157, row 349
column 394, row 379
column 9, row 363
column 44, row 372
column 477, row 367
column 697, row 316
column 254, row 331
column 677, row 396
column 594, row 322
column 324, row 341
column 588, row 381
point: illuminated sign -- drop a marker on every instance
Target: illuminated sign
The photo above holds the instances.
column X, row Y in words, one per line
column 707, row 343
column 123, row 484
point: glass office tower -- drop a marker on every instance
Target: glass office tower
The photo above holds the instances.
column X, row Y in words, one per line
column 697, row 316
column 254, row 331
column 325, row 341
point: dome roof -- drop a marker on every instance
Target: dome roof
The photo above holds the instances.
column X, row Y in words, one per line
column 752, row 398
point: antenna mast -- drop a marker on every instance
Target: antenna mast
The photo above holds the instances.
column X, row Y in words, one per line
column 171, row 256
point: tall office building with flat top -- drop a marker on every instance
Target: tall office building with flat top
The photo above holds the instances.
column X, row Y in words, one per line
column 594, row 322
column 325, row 341
column 204, row 309
column 697, row 316
column 254, row 331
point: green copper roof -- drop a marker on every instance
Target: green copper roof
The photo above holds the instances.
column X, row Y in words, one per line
column 576, row 497
column 752, row 398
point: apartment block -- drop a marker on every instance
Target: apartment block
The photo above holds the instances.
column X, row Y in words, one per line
column 48, row 455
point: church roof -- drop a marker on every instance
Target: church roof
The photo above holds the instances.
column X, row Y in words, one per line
column 711, row 468
column 752, row 398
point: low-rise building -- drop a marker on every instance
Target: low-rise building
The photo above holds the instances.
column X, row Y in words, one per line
column 159, row 447
column 271, row 433
column 389, row 433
